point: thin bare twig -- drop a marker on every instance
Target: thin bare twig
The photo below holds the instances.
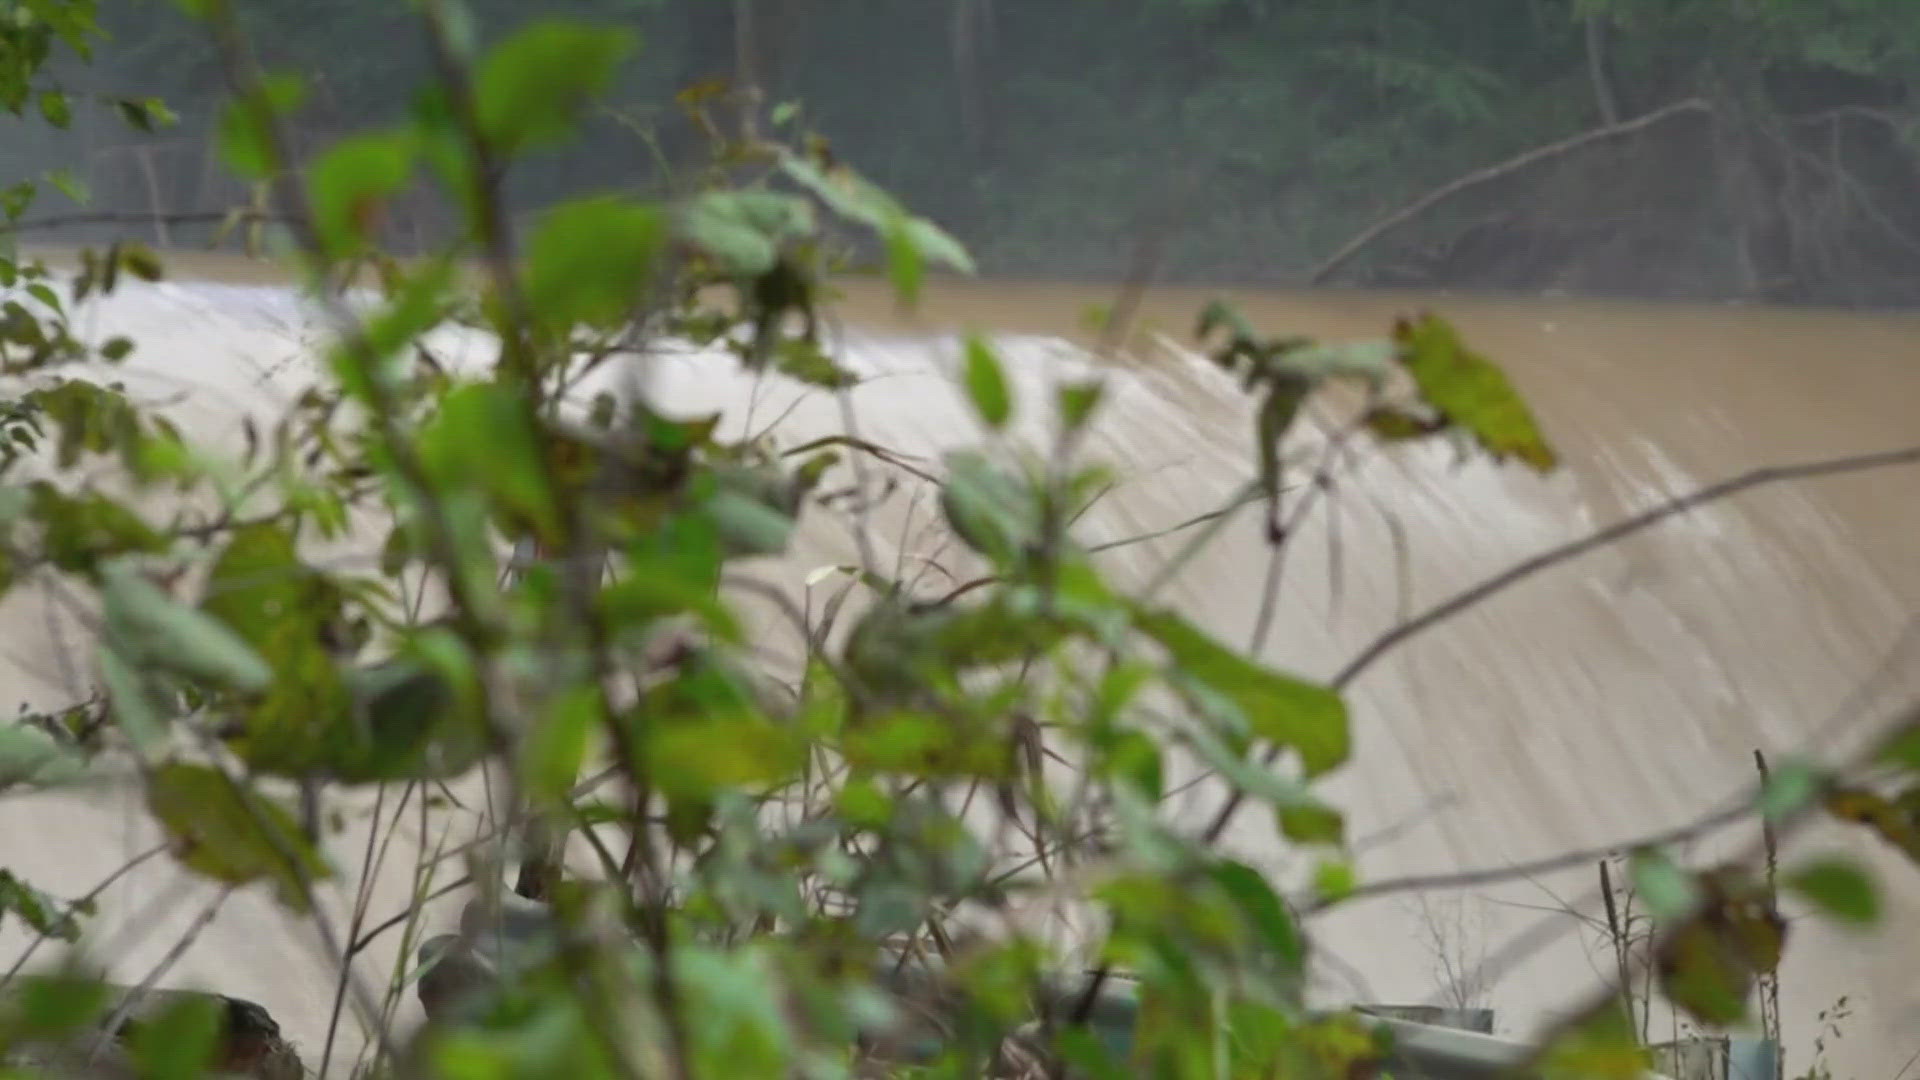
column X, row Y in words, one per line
column 1902, row 721
column 118, row 1018
column 92, row 895
column 128, row 217
column 1475, row 595
column 1473, row 179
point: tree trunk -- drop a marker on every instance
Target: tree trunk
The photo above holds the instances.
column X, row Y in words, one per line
column 1603, row 93
column 970, row 38
column 747, row 85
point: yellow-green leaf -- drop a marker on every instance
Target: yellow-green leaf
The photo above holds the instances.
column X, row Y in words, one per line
column 1837, row 887
column 246, row 136
column 179, row 1042
column 482, row 437
column 1599, row 1046
column 536, row 83
column 221, row 829
column 1471, row 392
column 1311, row 823
column 352, row 181
column 590, row 260
column 987, row 383
column 1287, row 711
column 258, row 583
column 556, row 748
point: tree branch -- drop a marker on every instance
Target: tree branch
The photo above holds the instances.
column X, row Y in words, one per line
column 134, row 217
column 1486, row 590
column 1494, row 875
column 1454, row 187
column 1903, row 721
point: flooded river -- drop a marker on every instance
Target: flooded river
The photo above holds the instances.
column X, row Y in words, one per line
column 1612, row 696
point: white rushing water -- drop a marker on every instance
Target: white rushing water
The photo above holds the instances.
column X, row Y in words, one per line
column 1618, row 694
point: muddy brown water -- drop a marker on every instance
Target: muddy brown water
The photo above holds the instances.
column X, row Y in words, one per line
column 1612, row 696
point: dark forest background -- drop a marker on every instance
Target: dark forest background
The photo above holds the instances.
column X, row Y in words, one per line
column 1700, row 149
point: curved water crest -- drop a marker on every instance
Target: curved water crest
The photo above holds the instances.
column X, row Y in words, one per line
column 1612, row 696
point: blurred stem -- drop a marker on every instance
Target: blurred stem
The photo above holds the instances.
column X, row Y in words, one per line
column 746, row 68
column 580, row 579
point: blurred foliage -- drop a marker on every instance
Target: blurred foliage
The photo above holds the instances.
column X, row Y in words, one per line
column 798, row 861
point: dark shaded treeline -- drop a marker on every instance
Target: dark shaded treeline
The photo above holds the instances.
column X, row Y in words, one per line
column 1261, row 135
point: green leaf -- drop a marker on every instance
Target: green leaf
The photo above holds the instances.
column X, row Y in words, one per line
column 851, row 196
column 1367, row 361
column 145, row 114
column 1308, row 823
column 116, row 349
column 591, row 260
column 918, row 745
column 1076, row 402
column 1791, row 785
column 705, row 733
column 42, row 912
column 737, row 1018
column 806, row 361
column 992, row 511
column 58, row 1004
column 744, row 231
column 1839, row 888
column 132, row 704
column 932, row 244
column 415, row 728
column 55, row 108
column 1705, row 975
column 1247, row 776
column 258, row 584
column 231, row 834
column 146, row 624
column 1390, row 424
column 29, row 755
column 987, row 384
column 534, row 85
column 904, row 265
column 140, row 261
column 556, row 748
column 1287, row 711
column 353, row 180
column 1471, row 392
column 1263, row 909
column 179, row 1040
column 844, row 191
column 749, row 527
column 863, row 804
column 1903, row 749
column 70, row 185
column 1601, row 1045
column 1134, row 756
column 1334, row 880
column 1667, row 890
column 419, row 303
column 246, row 135
column 481, row 436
